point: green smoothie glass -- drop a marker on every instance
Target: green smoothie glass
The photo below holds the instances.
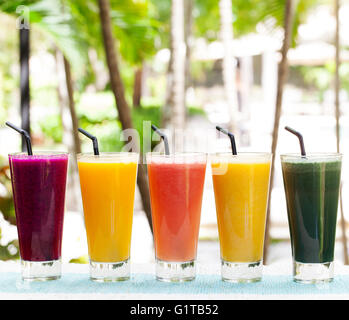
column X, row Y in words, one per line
column 312, row 184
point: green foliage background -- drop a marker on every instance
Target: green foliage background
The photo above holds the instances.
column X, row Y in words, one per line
column 141, row 28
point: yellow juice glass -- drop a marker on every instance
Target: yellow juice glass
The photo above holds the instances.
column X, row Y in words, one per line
column 108, row 183
column 241, row 186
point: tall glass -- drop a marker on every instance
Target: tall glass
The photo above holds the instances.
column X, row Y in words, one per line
column 312, row 189
column 108, row 183
column 38, row 184
column 176, row 185
column 241, row 186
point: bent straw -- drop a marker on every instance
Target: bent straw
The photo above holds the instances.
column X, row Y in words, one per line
column 163, row 137
column 300, row 138
column 231, row 137
column 94, row 140
column 26, row 136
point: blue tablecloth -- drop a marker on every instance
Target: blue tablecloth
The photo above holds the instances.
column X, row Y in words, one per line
column 144, row 286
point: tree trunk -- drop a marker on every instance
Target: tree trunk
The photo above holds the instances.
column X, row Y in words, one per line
column 121, row 103
column 188, row 30
column 137, row 87
column 70, row 128
column 67, row 93
column 24, row 53
column 166, row 109
column 174, row 110
column 338, row 113
column 228, row 66
column 71, row 105
column 282, row 74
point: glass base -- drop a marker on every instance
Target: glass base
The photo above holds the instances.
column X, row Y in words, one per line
column 41, row 270
column 312, row 272
column 175, row 271
column 241, row 272
column 110, row 271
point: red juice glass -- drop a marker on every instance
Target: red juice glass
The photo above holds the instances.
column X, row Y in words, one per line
column 38, row 184
column 176, row 184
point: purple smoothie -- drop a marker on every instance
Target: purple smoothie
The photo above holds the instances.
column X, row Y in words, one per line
column 38, row 184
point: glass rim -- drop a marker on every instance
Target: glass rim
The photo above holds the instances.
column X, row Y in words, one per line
column 242, row 154
column 179, row 154
column 108, row 157
column 39, row 153
column 107, row 154
column 312, row 155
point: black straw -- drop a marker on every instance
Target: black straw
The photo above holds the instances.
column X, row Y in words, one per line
column 26, row 136
column 94, row 140
column 231, row 137
column 163, row 137
column 300, row 138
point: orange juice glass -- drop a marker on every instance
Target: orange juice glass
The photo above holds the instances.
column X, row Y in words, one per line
column 108, row 183
column 241, row 186
column 176, row 185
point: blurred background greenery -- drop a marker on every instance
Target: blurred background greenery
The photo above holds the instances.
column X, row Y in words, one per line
column 142, row 32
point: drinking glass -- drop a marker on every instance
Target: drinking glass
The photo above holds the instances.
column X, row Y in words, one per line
column 39, row 184
column 241, row 186
column 108, row 183
column 312, row 185
column 176, row 185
